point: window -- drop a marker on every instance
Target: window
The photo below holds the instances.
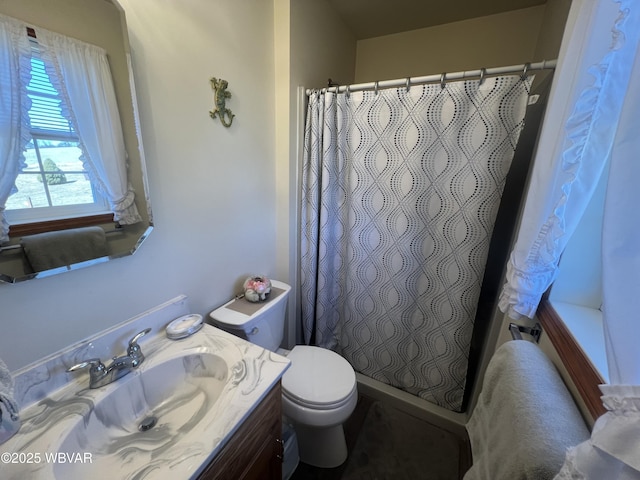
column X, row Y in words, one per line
column 53, row 182
column 80, row 110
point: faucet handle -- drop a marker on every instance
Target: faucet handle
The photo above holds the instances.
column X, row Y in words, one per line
column 134, row 351
column 96, row 366
column 138, row 336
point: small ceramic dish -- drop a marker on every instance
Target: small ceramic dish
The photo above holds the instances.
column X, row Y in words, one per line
column 184, row 326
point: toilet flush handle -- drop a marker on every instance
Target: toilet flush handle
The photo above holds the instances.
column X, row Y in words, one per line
column 254, row 331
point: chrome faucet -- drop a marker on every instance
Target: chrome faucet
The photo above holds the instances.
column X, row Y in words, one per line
column 100, row 375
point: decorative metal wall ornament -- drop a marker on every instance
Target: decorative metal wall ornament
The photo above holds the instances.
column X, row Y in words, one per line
column 220, row 97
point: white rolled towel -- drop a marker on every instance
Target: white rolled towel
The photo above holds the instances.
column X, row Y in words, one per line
column 525, row 419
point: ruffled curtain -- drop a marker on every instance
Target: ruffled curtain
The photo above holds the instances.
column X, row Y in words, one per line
column 86, row 84
column 14, row 105
column 575, row 141
column 81, row 74
column 593, row 116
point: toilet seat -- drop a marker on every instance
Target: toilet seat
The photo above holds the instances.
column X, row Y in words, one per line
column 316, row 405
column 318, row 378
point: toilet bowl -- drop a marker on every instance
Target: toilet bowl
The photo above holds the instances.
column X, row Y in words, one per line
column 319, row 394
column 319, row 389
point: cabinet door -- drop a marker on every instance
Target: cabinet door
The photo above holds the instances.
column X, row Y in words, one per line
column 255, row 450
column 267, row 463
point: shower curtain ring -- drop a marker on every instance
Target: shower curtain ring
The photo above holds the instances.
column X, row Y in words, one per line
column 375, row 88
column 348, row 91
column 443, row 80
column 483, row 72
column 524, row 71
column 408, row 84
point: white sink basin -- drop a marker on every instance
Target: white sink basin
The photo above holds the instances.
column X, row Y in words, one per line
column 177, row 393
column 148, row 412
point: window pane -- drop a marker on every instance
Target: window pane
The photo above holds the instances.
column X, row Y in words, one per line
column 31, row 193
column 60, row 167
column 76, row 190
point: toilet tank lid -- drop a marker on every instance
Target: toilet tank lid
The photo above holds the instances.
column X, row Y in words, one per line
column 239, row 312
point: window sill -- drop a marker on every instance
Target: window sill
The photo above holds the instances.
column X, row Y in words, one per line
column 52, row 225
column 575, row 356
column 585, row 325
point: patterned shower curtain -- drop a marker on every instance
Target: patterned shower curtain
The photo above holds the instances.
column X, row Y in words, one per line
column 401, row 188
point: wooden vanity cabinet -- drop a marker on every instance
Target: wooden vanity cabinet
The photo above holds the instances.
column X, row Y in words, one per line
column 255, row 451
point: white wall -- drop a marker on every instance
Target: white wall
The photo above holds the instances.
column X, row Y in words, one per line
column 212, row 188
column 322, row 47
column 552, row 29
column 491, row 41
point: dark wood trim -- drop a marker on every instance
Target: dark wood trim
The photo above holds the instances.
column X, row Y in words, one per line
column 255, row 451
column 584, row 375
column 62, row 224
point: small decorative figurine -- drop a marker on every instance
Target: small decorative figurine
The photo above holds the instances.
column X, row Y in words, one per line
column 256, row 289
column 220, row 97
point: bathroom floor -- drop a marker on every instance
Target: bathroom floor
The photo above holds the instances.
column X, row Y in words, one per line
column 388, row 444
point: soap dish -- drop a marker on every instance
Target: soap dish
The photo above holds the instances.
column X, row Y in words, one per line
column 184, row 326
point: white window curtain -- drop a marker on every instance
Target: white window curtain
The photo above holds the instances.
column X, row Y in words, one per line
column 81, row 74
column 593, row 115
column 14, row 105
column 86, row 84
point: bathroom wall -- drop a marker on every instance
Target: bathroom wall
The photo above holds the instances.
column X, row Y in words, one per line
column 493, row 41
column 220, row 196
column 550, row 37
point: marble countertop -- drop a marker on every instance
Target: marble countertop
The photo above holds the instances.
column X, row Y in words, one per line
column 75, row 432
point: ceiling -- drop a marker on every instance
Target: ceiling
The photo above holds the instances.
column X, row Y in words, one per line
column 374, row 18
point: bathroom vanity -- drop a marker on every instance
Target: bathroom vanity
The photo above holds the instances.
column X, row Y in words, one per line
column 203, row 407
column 256, row 450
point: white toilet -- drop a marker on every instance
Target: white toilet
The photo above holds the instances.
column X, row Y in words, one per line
column 318, row 390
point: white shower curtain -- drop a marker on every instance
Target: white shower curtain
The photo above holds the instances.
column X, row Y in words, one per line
column 400, row 193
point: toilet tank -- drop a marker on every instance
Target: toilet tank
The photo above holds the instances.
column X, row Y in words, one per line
column 261, row 323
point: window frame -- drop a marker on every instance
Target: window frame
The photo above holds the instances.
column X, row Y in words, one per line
column 579, row 366
column 18, row 230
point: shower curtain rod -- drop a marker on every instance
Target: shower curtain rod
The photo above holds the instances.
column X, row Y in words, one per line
column 442, row 78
